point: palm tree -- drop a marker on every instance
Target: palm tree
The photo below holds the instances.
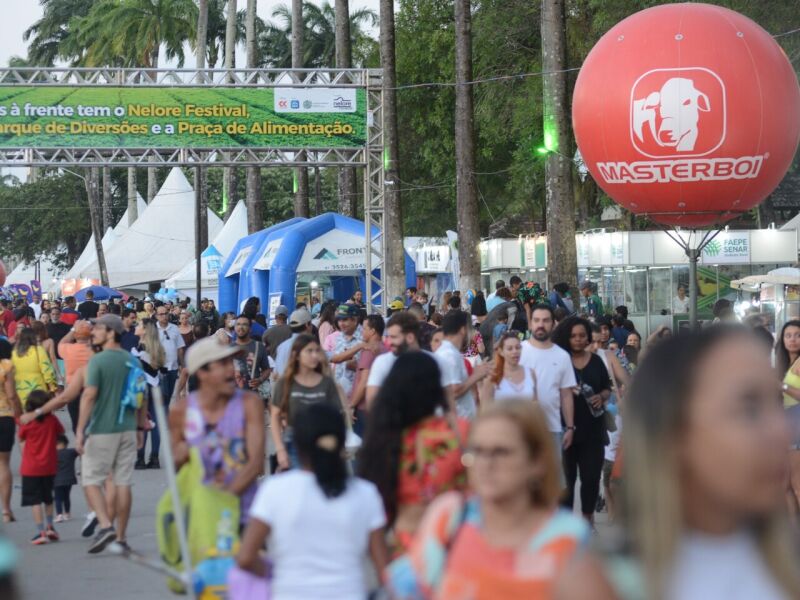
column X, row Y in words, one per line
column 132, row 32
column 255, row 218
column 48, row 38
column 394, row 279
column 319, row 40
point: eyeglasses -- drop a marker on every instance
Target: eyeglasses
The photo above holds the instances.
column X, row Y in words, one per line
column 497, row 453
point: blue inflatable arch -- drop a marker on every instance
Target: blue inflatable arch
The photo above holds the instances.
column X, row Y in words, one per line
column 230, row 288
column 282, row 274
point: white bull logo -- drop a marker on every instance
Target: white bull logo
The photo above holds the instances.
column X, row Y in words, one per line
column 679, row 105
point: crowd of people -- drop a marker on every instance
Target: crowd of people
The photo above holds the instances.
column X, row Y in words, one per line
column 444, row 444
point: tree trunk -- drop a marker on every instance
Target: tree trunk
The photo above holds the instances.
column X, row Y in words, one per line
column 152, row 174
column 152, row 180
column 92, row 183
column 469, row 235
column 228, row 181
column 202, row 33
column 108, row 217
column 344, row 59
column 255, row 218
column 301, row 208
column 133, row 205
column 561, row 252
column 201, row 192
column 394, row 261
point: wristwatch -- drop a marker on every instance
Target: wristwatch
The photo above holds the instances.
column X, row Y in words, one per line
column 571, row 428
column 38, row 412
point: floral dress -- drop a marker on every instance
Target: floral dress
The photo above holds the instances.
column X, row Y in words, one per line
column 430, row 464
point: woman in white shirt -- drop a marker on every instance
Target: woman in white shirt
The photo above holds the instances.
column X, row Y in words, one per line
column 510, row 380
column 704, row 470
column 319, row 522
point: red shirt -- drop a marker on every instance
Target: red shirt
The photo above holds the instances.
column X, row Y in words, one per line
column 39, row 455
column 69, row 316
column 7, row 318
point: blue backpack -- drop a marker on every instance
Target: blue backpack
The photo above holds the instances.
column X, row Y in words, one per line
column 135, row 389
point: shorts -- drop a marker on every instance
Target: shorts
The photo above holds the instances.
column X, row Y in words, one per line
column 37, row 490
column 109, row 453
column 793, row 417
column 608, row 466
column 7, row 431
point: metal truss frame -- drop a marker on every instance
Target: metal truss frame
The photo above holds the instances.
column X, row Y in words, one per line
column 370, row 157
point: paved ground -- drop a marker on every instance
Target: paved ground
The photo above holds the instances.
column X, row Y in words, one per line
column 65, row 571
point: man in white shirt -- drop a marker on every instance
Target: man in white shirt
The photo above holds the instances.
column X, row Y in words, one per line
column 402, row 333
column 555, row 377
column 174, row 347
column 299, row 322
column 458, row 384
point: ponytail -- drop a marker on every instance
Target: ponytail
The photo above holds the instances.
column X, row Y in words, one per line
column 319, row 433
column 328, row 465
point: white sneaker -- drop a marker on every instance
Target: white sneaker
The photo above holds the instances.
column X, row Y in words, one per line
column 67, row 516
column 89, row 525
column 59, row 518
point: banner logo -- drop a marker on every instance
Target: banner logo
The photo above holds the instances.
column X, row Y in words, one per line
column 325, row 254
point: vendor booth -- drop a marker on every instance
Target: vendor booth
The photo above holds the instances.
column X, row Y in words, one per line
column 775, row 295
column 314, row 259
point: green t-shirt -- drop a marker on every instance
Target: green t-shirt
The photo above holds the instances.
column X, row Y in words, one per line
column 108, row 371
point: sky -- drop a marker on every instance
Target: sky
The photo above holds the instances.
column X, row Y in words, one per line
column 18, row 15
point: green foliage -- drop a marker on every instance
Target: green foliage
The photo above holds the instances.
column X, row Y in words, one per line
column 41, row 219
column 319, row 41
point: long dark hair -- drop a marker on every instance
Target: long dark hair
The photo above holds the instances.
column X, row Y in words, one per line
column 319, row 433
column 300, row 342
column 410, row 393
column 251, row 307
column 563, row 332
column 328, row 313
column 782, row 358
column 27, row 340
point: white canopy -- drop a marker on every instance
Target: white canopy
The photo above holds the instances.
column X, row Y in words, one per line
column 161, row 240
column 89, row 254
column 24, row 273
column 793, row 223
column 235, row 228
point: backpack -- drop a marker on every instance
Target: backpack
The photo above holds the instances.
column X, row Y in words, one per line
column 134, row 390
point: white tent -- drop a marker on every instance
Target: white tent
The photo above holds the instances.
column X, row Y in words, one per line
column 48, row 275
column 89, row 254
column 235, row 228
column 793, row 223
column 160, row 242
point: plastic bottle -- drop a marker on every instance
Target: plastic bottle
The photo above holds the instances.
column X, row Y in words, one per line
column 225, row 534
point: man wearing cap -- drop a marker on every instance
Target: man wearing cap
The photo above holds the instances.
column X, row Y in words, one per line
column 396, row 305
column 299, row 322
column 108, row 433
column 278, row 333
column 594, row 305
column 75, row 349
column 252, row 364
column 348, row 344
column 232, row 450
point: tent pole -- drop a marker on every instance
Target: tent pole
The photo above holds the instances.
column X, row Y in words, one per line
column 197, row 235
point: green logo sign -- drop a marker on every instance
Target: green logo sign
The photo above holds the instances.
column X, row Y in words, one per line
column 713, row 248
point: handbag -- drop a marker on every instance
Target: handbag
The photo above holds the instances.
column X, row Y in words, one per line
column 244, row 585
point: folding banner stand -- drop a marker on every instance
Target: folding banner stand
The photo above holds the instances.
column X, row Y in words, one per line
column 302, row 83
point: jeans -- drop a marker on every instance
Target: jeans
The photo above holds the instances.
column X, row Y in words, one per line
column 587, row 459
column 63, row 503
column 167, row 383
column 73, row 408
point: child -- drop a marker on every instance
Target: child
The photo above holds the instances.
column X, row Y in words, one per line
column 65, row 478
column 501, row 327
column 39, row 466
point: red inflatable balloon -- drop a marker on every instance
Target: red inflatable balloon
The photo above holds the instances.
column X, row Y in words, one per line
column 689, row 113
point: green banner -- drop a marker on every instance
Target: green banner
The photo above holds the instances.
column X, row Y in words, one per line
column 181, row 117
